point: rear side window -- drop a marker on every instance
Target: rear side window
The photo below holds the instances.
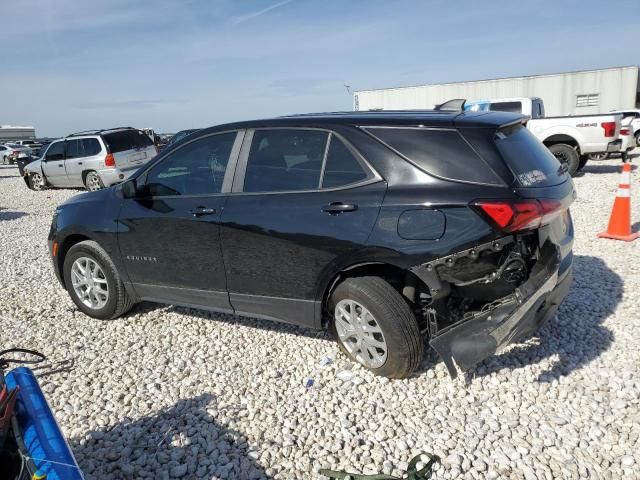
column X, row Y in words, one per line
column 282, row 160
column 442, row 153
column 124, row 140
column 342, row 167
column 90, row 147
column 73, row 149
column 530, row 161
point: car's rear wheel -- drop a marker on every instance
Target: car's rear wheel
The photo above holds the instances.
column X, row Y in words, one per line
column 93, row 282
column 567, row 155
column 36, row 181
column 375, row 327
column 92, row 182
column 638, row 138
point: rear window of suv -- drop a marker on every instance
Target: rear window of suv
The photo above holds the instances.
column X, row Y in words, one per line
column 530, row 161
column 123, row 140
column 439, row 152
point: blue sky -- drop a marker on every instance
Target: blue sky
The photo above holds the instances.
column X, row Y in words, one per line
column 69, row 65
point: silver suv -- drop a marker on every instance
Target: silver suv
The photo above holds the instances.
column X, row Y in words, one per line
column 94, row 159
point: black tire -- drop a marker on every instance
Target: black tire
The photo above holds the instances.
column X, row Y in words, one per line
column 393, row 315
column 583, row 161
column 638, row 138
column 566, row 154
column 118, row 301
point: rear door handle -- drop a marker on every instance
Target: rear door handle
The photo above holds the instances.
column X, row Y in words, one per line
column 202, row 211
column 79, row 163
column 60, row 165
column 337, row 208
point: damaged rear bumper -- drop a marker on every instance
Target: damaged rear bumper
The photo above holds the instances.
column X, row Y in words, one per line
column 516, row 316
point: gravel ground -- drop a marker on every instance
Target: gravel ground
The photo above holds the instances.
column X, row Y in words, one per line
column 172, row 392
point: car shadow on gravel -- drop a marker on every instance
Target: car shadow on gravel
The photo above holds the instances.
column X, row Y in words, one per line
column 8, row 215
column 252, row 322
column 183, row 441
column 575, row 335
column 591, row 168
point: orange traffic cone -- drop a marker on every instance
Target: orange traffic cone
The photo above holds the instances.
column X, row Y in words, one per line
column 620, row 222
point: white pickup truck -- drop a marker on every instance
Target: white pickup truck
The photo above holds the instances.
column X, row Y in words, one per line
column 569, row 138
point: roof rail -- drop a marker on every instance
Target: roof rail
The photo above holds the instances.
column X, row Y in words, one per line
column 84, row 132
column 96, row 131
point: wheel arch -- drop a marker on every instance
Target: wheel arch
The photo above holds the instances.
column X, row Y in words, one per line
column 63, row 248
column 85, row 173
column 562, row 138
column 396, row 276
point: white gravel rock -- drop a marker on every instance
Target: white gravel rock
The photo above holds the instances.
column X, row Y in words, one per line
column 171, row 392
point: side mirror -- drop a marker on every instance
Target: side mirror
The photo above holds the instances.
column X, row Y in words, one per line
column 130, row 188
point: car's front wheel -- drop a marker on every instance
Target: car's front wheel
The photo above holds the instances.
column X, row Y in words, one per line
column 93, row 282
column 375, row 327
column 36, row 181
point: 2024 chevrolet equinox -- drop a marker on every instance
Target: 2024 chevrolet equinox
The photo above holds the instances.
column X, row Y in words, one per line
column 386, row 228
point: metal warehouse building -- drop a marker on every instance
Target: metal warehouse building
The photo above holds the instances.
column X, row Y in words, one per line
column 10, row 132
column 571, row 93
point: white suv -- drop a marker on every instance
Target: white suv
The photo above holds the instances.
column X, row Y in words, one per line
column 94, row 159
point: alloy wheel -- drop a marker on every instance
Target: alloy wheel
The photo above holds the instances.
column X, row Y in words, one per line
column 37, row 181
column 89, row 283
column 93, row 182
column 360, row 333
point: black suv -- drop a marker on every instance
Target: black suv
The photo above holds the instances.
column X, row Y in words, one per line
column 383, row 227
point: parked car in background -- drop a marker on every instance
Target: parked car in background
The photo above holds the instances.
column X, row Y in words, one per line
column 32, row 144
column 94, row 159
column 571, row 138
column 6, row 154
column 11, row 152
column 380, row 227
column 180, row 135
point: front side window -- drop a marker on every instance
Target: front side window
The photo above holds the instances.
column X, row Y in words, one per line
column 283, row 160
column 55, row 151
column 197, row 168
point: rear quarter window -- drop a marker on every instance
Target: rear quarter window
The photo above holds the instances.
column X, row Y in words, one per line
column 124, row 140
column 441, row 153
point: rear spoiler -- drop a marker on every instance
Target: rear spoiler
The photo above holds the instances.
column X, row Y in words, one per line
column 455, row 105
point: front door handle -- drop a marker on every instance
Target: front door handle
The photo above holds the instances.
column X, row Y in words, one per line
column 202, row 211
column 79, row 163
column 336, row 208
column 60, row 165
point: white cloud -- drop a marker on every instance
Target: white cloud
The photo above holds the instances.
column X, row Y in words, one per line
column 258, row 13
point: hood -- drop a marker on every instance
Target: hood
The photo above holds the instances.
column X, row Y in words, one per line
column 35, row 166
column 99, row 196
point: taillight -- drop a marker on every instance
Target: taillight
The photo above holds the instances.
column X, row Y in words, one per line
column 512, row 216
column 609, row 128
column 625, row 131
column 109, row 161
